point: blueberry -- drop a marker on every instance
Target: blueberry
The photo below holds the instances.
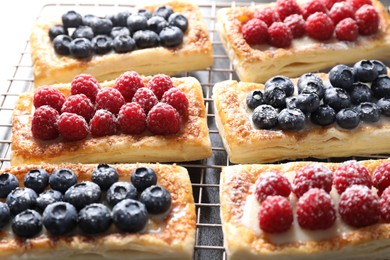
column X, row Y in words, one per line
column 120, row 191
column 94, row 219
column 254, row 99
column 265, row 117
column 143, row 177
column 146, row 39
column 101, row 26
column 157, row 23
column 381, row 87
column 307, row 102
column 342, row 76
column 89, row 19
column 81, row 48
column 8, row 182
column 145, row 12
column 105, row 175
column 369, row 112
column 348, row 118
column 72, row 19
column 311, row 83
column 21, row 199
column 365, row 71
column 171, row 36
column 61, row 44
column 275, row 96
column 360, row 93
column 60, row 218
column 337, row 98
column 178, row 20
column 83, row 194
column 282, row 82
column 136, row 22
column 323, row 116
column 384, row 105
column 157, row 199
column 36, row 179
column 380, row 67
column 291, row 102
column 83, row 32
column 102, row 44
column 123, row 43
column 62, row 179
column 164, row 11
column 56, row 30
column 120, row 19
column 48, row 197
column 27, row 224
column 291, row 119
column 130, row 215
column 119, row 31
column 4, row 214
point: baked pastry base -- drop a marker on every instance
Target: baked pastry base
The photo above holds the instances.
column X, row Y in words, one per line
column 242, row 242
column 191, row 143
column 259, row 63
column 171, row 238
column 195, row 53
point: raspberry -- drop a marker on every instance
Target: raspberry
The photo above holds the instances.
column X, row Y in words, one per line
column 356, row 4
column 279, row 35
column 384, row 205
column 79, row 104
column 110, row 99
column 176, row 98
column 128, row 83
column 72, row 126
column 358, row 206
column 341, row 11
column 381, row 177
column 272, row 183
column 319, row 26
column 267, row 15
column 315, row 210
column 286, row 8
column 329, row 3
column 44, row 123
column 85, row 84
column 255, row 31
column 146, row 98
column 47, row 95
column 163, row 119
column 296, row 23
column 312, row 7
column 350, row 173
column 315, row 175
column 275, row 214
column 347, row 30
column 132, row 118
column 159, row 84
column 103, row 123
column 367, row 19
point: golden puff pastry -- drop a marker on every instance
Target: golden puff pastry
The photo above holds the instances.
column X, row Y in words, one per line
column 239, row 220
column 259, row 63
column 194, row 53
column 192, row 142
column 171, row 238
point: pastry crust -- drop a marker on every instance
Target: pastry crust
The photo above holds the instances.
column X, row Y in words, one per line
column 237, row 184
column 192, row 142
column 259, row 63
column 171, row 238
column 246, row 144
column 195, row 53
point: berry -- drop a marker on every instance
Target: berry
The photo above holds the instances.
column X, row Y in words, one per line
column 350, row 173
column 83, row 194
column 286, row 8
column 89, row 19
column 128, row 83
column 275, row 96
column 384, row 105
column 291, row 119
column 48, row 197
column 47, row 95
column 119, row 191
column 319, row 26
column 145, row 12
column 72, row 127
column 157, row 199
column 340, row 11
column 265, row 117
column 110, row 99
column 255, row 31
column 79, row 104
column 163, row 119
column 56, row 30
column 105, row 175
column 21, row 199
column 380, row 67
column 314, row 175
column 270, row 184
column 369, row 112
column 4, row 214
column 267, row 15
column 101, row 26
column 254, row 99
column 367, row 18
column 136, row 22
column 282, row 82
column 85, row 84
column 329, row 3
column 156, row 24
column 145, row 98
column 337, row 98
column 44, row 123
column 81, row 48
column 171, row 36
column 342, row 76
column 348, row 118
column 36, row 179
column 61, row 44
column 62, row 179
column 296, row 23
column 381, row 87
column 310, row 83
column 275, row 214
column 177, row 99
column 123, row 43
column 60, row 218
column 381, row 177
column 72, row 19
column 146, row 39
column 384, row 206
column 315, row 210
column 130, row 216
column 279, row 35
column 360, row 93
column 27, row 224
column 94, row 219
column 307, row 102
column 164, row 11
column 358, row 206
column 120, row 18
column 178, row 20
column 132, row 118
column 365, row 71
column 103, row 123
column 102, row 44
column 323, row 116
column 356, row 4
column 159, row 84
column 83, row 32
column 312, row 7
column 116, row 31
column 143, row 178
column 347, row 30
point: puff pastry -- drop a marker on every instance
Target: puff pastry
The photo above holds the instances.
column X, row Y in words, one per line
column 195, row 53
column 172, row 238
column 237, row 186
column 259, row 63
column 192, row 142
column 246, row 144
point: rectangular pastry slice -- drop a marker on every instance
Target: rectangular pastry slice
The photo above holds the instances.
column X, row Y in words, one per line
column 171, row 236
column 194, row 53
column 258, row 62
column 245, row 238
